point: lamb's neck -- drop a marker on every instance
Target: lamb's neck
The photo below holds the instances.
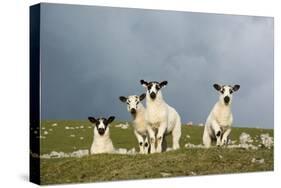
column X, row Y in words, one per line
column 157, row 101
column 223, row 106
column 106, row 135
column 140, row 113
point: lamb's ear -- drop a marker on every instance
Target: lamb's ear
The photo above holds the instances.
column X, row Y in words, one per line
column 142, row 96
column 123, row 99
column 92, row 120
column 217, row 87
column 143, row 83
column 236, row 87
column 110, row 119
column 164, row 84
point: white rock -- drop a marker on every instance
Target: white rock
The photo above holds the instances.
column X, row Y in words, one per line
column 54, row 124
column 81, row 138
column 66, row 127
column 165, row 174
column 266, row 140
column 260, row 161
column 193, row 173
column 79, row 153
column 189, row 145
column 81, row 127
column 72, row 135
column 121, row 151
column 245, row 138
column 45, row 132
column 132, row 151
column 169, row 149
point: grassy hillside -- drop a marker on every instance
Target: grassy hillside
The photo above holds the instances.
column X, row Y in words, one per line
column 68, row 136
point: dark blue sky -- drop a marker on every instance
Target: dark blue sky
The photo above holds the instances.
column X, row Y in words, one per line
column 92, row 55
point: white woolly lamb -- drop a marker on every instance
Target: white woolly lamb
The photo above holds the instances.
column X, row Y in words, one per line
column 101, row 141
column 161, row 118
column 137, row 111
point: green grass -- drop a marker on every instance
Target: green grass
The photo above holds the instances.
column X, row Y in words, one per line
column 104, row 167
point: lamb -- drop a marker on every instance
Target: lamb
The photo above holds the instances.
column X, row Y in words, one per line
column 162, row 119
column 219, row 122
column 137, row 111
column 101, row 141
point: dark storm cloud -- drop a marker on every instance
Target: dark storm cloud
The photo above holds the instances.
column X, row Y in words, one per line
column 92, row 55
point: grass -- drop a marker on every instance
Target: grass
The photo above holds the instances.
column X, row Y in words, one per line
column 105, row 167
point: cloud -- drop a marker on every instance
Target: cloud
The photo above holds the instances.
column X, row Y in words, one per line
column 92, row 55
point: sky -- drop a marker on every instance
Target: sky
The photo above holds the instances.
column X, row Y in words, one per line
column 92, row 55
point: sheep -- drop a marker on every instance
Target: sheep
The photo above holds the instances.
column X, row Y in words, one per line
column 161, row 118
column 137, row 110
column 101, row 141
column 219, row 122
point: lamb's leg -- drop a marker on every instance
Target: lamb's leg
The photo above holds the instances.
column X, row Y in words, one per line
column 159, row 138
column 140, row 141
column 225, row 136
column 176, row 133
column 151, row 139
column 218, row 132
column 146, row 145
column 207, row 141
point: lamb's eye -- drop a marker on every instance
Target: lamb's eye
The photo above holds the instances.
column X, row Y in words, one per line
column 137, row 102
column 231, row 91
column 157, row 87
column 222, row 91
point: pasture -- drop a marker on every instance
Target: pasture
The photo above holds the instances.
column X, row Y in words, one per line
column 69, row 136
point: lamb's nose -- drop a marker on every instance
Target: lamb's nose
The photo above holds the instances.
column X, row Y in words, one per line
column 226, row 99
column 133, row 111
column 152, row 95
column 101, row 131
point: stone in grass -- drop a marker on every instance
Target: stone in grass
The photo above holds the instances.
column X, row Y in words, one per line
column 259, row 161
column 81, row 138
column 72, row 135
column 55, row 154
column 67, row 127
column 45, row 132
column 267, row 141
column 121, row 151
column 165, row 174
column 132, row 151
column 79, row 153
column 54, row 124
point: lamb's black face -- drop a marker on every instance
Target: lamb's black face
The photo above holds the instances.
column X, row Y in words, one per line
column 132, row 102
column 153, row 87
column 226, row 92
column 101, row 123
